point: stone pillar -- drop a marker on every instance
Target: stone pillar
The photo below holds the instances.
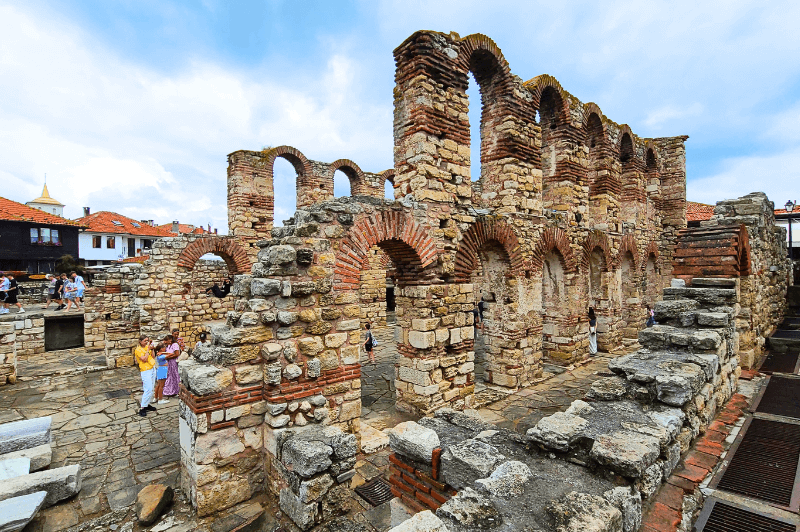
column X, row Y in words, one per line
column 251, row 197
column 8, row 351
column 436, row 342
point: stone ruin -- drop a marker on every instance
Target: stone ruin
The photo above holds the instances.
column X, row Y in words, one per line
column 571, row 210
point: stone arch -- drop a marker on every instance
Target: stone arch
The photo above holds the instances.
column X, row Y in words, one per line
column 596, row 239
column 310, row 188
column 388, row 175
column 232, row 253
column 628, row 245
column 485, row 230
column 553, row 238
column 408, row 245
column 543, row 84
column 358, row 186
column 626, row 148
column 652, row 250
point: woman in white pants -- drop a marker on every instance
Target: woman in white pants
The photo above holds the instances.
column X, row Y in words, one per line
column 592, row 332
column 146, row 360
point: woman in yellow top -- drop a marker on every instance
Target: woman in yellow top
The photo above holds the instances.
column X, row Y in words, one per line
column 146, row 360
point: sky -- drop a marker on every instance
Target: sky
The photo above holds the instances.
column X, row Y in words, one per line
column 133, row 106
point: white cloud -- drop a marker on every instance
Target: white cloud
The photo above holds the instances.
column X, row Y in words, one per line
column 116, row 135
column 775, row 175
column 657, row 118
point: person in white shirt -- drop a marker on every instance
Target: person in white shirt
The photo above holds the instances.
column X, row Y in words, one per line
column 78, row 280
column 5, row 285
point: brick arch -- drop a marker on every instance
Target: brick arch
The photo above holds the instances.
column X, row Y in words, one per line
column 596, row 239
column 628, row 244
column 650, row 148
column 358, row 186
column 537, row 87
column 408, row 245
column 388, row 175
column 231, row 252
column 553, row 238
column 652, row 249
column 310, row 188
column 479, row 234
column 480, row 44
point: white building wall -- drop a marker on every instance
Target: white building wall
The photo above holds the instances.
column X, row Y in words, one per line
column 87, row 252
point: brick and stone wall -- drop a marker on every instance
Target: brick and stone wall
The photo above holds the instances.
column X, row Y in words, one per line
column 8, row 351
column 741, row 241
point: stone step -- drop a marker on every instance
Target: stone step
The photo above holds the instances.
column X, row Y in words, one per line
column 661, row 336
column 24, row 434
column 782, row 341
column 14, row 467
column 713, row 282
column 17, row 512
column 40, row 456
column 707, row 296
column 60, row 483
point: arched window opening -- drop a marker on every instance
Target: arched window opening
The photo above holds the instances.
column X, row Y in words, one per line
column 597, row 285
column 594, row 132
column 341, row 184
column 285, row 186
column 626, row 149
column 475, row 128
column 651, row 159
column 388, row 189
column 549, row 106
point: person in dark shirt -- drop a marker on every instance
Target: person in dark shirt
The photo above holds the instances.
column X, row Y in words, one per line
column 59, row 293
column 220, row 292
column 13, row 289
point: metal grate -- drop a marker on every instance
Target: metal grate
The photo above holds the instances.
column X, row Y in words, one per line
column 724, row 517
column 764, row 462
column 116, row 394
column 786, row 334
column 780, row 362
column 781, row 397
column 375, row 492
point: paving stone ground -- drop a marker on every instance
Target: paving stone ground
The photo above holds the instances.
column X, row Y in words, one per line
column 95, row 425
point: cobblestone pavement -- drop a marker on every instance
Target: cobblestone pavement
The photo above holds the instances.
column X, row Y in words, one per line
column 63, row 362
column 95, row 425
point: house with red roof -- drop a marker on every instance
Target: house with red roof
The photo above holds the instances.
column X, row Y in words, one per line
column 33, row 239
column 111, row 237
column 177, row 228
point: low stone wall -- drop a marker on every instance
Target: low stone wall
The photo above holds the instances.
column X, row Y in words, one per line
column 8, row 351
column 29, row 329
column 593, row 466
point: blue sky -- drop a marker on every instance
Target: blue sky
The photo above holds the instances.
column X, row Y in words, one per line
column 133, row 106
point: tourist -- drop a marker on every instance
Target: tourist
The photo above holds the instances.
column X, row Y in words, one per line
column 172, row 386
column 51, row 291
column 71, row 292
column 161, row 368
column 144, row 358
column 204, row 340
column 4, row 285
column 78, row 280
column 220, row 292
column 60, row 291
column 651, row 316
column 592, row 332
column 369, row 343
column 11, row 298
column 476, row 317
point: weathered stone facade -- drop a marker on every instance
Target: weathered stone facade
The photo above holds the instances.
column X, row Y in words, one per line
column 571, row 211
column 741, row 241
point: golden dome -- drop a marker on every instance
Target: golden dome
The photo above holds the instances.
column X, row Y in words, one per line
column 45, row 198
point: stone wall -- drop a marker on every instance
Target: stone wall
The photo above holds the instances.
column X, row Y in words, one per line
column 741, row 241
column 594, row 466
column 8, row 351
column 571, row 210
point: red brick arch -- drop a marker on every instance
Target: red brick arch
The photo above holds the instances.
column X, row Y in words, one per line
column 553, row 238
column 479, row 234
column 408, row 245
column 358, row 186
column 307, row 183
column 538, row 85
column 596, row 239
column 477, row 43
column 628, row 244
column 231, row 252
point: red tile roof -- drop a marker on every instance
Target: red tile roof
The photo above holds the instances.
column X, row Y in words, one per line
column 698, row 211
column 139, row 259
column 183, row 229
column 17, row 212
column 103, row 222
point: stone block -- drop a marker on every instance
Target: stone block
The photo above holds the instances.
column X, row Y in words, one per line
column 24, row 434
column 315, row 488
column 60, row 483
column 17, row 512
column 465, row 462
column 265, row 287
column 39, row 456
column 414, row 376
column 508, row 480
column 14, row 467
column 422, row 340
column 306, row 458
column 625, row 452
column 425, row 324
column 414, row 441
column 348, row 325
column 303, row 515
column 583, row 512
column 151, row 501
column 310, row 346
column 557, row 431
column 249, row 374
column 202, row 379
column 217, row 445
column 422, row 522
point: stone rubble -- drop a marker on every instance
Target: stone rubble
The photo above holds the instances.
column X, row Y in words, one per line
column 17, row 512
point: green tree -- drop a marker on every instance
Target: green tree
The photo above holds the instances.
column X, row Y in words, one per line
column 68, row 264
